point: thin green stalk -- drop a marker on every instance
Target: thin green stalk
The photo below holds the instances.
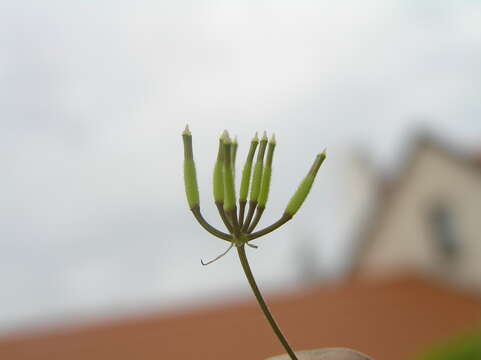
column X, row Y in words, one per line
column 242, row 206
column 256, row 219
column 250, row 214
column 284, row 218
column 252, row 282
column 203, row 222
column 223, row 216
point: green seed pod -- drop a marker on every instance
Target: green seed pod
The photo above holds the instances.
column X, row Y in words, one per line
column 303, row 190
column 266, row 175
column 258, row 169
column 218, row 174
column 246, row 172
column 229, row 189
column 235, row 145
column 190, row 176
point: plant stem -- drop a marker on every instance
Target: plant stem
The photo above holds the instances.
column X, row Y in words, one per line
column 285, row 218
column 220, row 208
column 252, row 282
column 200, row 219
column 256, row 219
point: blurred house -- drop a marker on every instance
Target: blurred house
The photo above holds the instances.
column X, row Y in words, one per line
column 427, row 220
column 424, row 225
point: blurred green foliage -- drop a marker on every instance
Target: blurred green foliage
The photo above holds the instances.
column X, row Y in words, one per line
column 466, row 347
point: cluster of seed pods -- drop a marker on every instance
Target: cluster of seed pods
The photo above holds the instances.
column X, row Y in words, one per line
column 254, row 188
column 241, row 226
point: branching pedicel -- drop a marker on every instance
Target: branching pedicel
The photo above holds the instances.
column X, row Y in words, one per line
column 240, row 226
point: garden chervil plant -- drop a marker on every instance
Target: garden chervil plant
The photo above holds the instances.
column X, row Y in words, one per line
column 239, row 224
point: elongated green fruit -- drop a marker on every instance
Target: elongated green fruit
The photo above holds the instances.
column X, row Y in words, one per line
column 303, row 190
column 266, row 174
column 190, row 176
column 235, row 145
column 258, row 169
column 233, row 155
column 246, row 172
column 218, row 174
column 229, row 189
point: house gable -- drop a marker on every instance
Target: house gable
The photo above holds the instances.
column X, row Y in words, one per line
column 429, row 220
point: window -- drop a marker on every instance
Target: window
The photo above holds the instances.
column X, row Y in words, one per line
column 444, row 232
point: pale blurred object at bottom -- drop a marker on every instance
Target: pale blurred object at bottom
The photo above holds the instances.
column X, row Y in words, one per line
column 326, row 354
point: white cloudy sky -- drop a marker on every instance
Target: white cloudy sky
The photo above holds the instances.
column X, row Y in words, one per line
column 94, row 95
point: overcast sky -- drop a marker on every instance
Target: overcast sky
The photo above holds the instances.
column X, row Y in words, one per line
column 94, row 96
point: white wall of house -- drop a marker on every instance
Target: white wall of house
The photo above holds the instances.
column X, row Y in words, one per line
column 405, row 239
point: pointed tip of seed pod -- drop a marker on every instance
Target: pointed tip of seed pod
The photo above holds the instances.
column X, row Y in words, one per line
column 264, row 136
column 273, row 139
column 255, row 138
column 323, row 153
column 186, row 131
column 225, row 137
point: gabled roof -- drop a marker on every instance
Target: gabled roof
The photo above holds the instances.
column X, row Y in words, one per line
column 390, row 187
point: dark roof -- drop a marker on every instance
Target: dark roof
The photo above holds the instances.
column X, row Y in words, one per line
column 387, row 320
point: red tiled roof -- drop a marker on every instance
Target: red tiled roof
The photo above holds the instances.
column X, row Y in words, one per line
column 391, row 320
